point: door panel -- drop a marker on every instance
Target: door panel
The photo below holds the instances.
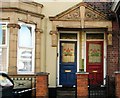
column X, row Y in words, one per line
column 94, row 61
column 68, row 63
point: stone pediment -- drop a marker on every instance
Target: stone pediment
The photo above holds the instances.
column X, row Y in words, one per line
column 79, row 12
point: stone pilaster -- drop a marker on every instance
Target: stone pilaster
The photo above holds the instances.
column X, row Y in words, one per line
column 13, row 37
column 38, row 49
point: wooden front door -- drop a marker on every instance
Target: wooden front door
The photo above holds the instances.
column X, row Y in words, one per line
column 94, row 61
column 68, row 63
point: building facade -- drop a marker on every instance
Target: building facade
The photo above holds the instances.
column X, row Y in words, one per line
column 20, row 37
column 86, row 40
column 82, row 37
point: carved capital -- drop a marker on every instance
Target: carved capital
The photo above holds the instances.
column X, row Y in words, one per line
column 37, row 30
column 109, row 38
column 53, row 32
column 13, row 25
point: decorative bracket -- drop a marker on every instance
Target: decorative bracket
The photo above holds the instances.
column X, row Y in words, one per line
column 54, row 38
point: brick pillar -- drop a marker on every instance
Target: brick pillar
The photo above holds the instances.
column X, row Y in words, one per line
column 117, row 84
column 42, row 85
column 82, row 85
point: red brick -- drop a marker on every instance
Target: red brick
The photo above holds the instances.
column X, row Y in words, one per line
column 42, row 85
column 82, row 85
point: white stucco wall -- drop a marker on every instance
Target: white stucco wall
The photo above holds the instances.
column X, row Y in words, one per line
column 49, row 54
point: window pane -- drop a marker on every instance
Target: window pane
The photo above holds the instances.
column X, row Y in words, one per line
column 25, row 66
column 68, row 54
column 94, row 53
column 3, row 59
column 26, row 49
column 2, row 34
column 68, row 36
column 25, row 36
column 95, row 36
column 25, row 60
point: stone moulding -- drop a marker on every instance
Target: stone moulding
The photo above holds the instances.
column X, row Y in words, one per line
column 18, row 10
column 14, row 25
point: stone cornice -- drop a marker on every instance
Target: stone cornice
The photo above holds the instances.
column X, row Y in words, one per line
column 8, row 18
column 27, row 21
column 18, row 10
column 34, row 3
column 14, row 25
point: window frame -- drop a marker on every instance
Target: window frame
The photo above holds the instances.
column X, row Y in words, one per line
column 6, row 45
column 32, row 48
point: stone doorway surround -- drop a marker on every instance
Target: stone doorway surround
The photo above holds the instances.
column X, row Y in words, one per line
column 81, row 16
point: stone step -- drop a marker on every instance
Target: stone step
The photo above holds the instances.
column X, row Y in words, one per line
column 66, row 93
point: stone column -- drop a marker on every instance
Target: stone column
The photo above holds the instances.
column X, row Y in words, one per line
column 13, row 37
column 42, row 85
column 117, row 84
column 37, row 49
column 82, row 85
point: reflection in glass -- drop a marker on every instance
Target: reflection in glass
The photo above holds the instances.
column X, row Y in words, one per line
column 25, row 36
column 3, row 59
column 25, row 66
column 25, row 62
column 25, row 50
column 2, row 34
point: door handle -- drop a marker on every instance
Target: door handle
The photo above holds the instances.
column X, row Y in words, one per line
column 67, row 70
column 95, row 71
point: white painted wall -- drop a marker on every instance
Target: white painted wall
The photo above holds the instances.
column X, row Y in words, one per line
column 49, row 54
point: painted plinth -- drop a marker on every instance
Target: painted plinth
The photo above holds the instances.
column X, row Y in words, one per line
column 82, row 85
column 117, row 84
column 42, row 85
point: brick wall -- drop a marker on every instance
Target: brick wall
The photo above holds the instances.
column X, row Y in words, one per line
column 112, row 58
column 82, row 85
column 112, row 51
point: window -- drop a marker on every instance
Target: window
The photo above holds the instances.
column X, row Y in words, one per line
column 3, row 47
column 95, row 36
column 26, row 43
column 68, row 36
